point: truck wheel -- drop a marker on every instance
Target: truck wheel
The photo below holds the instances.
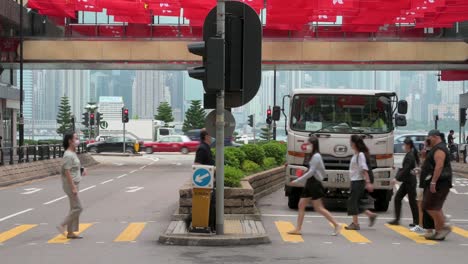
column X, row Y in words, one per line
column 149, row 150
column 382, row 200
column 293, row 199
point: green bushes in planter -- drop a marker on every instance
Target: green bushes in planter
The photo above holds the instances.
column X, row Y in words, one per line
column 276, row 151
column 233, row 157
column 232, row 176
column 269, row 163
column 251, row 167
column 254, row 153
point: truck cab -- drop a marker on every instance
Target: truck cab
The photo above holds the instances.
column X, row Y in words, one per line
column 334, row 115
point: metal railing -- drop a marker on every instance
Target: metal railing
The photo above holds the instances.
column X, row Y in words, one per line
column 27, row 154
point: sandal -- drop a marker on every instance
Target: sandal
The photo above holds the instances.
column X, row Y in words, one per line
column 294, row 233
column 353, row 226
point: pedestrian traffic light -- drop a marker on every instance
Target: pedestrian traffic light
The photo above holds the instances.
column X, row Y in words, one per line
column 462, row 116
column 268, row 119
column 91, row 119
column 251, row 121
column 124, row 115
column 85, row 119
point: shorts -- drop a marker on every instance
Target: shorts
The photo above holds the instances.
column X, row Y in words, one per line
column 313, row 189
column 419, row 194
column 435, row 201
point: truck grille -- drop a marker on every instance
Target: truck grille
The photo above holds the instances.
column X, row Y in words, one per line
column 335, row 163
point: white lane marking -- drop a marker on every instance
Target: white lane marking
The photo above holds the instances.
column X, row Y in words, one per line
column 349, row 217
column 53, row 201
column 123, row 222
column 463, row 185
column 104, row 182
column 396, row 243
column 90, row 187
column 142, row 168
column 100, row 242
column 118, row 164
column 31, row 190
column 329, row 243
column 32, row 244
column 133, row 171
column 43, row 224
column 15, row 214
column 454, row 191
column 134, row 189
column 464, row 245
column 121, row 176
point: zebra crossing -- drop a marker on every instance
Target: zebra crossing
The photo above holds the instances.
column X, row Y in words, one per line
column 130, row 233
column 397, row 234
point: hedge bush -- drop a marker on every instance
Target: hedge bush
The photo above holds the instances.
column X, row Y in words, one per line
column 251, row 167
column 240, row 155
column 269, row 163
column 274, row 150
column 232, row 176
column 230, row 159
column 254, row 153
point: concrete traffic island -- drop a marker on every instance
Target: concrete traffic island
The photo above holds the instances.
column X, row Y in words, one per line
column 243, row 225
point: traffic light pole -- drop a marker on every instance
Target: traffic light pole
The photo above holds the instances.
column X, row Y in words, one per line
column 220, row 28
column 123, row 137
column 274, row 102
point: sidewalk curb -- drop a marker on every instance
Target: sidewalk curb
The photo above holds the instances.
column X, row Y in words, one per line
column 116, row 154
column 218, row 241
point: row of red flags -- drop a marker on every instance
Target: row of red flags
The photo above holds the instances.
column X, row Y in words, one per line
column 357, row 15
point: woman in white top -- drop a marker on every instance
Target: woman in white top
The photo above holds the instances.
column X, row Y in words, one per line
column 360, row 182
column 313, row 190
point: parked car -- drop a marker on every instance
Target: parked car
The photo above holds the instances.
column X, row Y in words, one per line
column 112, row 144
column 399, row 153
column 172, row 143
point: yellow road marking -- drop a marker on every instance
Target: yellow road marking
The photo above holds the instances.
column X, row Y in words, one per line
column 131, row 232
column 411, row 235
column 14, row 232
column 61, row 239
column 284, row 228
column 353, row 235
column 459, row 231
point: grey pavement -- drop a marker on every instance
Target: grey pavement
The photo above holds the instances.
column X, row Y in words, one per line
column 147, row 196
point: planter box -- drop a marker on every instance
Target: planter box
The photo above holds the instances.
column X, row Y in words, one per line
column 240, row 200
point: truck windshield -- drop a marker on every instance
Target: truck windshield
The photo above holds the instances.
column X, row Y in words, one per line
column 342, row 113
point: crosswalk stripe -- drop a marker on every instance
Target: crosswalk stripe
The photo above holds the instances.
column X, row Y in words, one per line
column 61, row 239
column 283, row 228
column 353, row 235
column 411, row 235
column 14, row 232
column 131, row 233
column 457, row 230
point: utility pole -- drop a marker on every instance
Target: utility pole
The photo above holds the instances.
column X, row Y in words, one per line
column 274, row 101
column 21, row 35
column 220, row 28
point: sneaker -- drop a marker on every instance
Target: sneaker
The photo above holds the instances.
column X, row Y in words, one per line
column 418, row 229
column 443, row 233
column 412, row 225
column 353, row 226
column 372, row 220
column 394, row 222
column 336, row 230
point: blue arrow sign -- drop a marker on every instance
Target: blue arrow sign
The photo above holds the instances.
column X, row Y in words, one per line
column 201, row 177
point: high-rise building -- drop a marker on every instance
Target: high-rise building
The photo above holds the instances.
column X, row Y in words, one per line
column 148, row 91
column 75, row 85
column 28, row 89
column 111, row 107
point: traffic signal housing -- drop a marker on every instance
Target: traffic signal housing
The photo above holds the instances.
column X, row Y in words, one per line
column 91, row 119
column 98, row 118
column 462, row 116
column 85, row 121
column 124, row 115
column 251, row 120
column 268, row 119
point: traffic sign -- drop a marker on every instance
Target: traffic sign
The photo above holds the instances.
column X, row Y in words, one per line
column 104, row 125
column 202, row 176
column 229, row 123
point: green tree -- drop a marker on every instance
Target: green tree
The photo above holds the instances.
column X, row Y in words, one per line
column 194, row 117
column 267, row 133
column 64, row 116
column 164, row 113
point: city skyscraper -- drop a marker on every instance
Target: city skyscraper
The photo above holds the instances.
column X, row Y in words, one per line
column 148, row 91
column 28, row 90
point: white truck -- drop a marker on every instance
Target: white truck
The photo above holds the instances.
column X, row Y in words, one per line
column 333, row 115
column 142, row 129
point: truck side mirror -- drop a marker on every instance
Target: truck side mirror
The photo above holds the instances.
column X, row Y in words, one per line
column 402, row 107
column 400, row 120
column 276, row 113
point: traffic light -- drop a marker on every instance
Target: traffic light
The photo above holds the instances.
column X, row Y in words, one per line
column 462, row 116
column 251, row 120
column 91, row 119
column 85, row 119
column 268, row 119
column 98, row 118
column 124, row 115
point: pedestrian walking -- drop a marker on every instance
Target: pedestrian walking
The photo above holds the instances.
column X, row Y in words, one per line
column 71, row 178
column 408, row 185
column 203, row 155
column 439, row 182
column 421, row 174
column 313, row 190
column 360, row 182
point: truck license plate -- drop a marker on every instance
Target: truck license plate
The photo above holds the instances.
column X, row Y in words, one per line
column 340, row 178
